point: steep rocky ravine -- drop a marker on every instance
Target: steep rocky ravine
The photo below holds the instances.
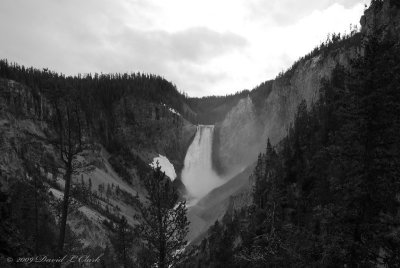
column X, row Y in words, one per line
column 132, row 130
column 244, row 131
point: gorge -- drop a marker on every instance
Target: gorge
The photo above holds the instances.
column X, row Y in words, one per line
column 300, row 171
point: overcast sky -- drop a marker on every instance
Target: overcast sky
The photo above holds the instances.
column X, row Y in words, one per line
column 205, row 47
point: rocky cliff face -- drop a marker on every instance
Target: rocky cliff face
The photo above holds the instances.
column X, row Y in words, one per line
column 22, row 113
column 244, row 132
column 383, row 16
column 238, row 136
column 304, row 84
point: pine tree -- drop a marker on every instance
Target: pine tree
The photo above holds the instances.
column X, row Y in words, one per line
column 258, row 178
column 163, row 224
column 122, row 242
column 101, row 189
column 108, row 192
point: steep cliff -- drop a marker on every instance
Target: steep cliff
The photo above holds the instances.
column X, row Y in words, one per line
column 382, row 16
column 238, row 136
column 242, row 134
column 23, row 113
column 245, row 129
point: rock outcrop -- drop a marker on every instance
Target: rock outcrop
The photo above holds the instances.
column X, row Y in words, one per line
column 382, row 16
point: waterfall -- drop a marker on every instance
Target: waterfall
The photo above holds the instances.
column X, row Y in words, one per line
column 198, row 175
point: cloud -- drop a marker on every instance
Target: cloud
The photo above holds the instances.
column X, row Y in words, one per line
column 94, row 36
column 178, row 56
column 203, row 46
column 286, row 12
column 197, row 45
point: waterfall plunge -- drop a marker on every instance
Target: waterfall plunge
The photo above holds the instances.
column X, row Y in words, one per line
column 198, row 175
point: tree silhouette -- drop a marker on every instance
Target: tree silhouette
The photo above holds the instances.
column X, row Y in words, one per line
column 69, row 143
column 163, row 224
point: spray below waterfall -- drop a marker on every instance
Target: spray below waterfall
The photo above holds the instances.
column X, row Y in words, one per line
column 198, row 175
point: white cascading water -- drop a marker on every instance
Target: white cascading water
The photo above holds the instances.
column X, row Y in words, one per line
column 198, row 175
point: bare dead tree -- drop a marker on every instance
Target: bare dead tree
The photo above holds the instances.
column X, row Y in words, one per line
column 69, row 143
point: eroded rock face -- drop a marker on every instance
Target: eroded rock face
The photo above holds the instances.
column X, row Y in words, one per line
column 244, row 132
column 22, row 113
column 281, row 105
column 239, row 136
column 17, row 100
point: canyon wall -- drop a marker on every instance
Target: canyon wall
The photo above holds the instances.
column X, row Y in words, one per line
column 243, row 133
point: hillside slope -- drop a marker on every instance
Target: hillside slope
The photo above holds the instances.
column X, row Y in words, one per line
column 124, row 135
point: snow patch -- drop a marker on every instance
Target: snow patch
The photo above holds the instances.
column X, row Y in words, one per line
column 166, row 166
column 172, row 110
